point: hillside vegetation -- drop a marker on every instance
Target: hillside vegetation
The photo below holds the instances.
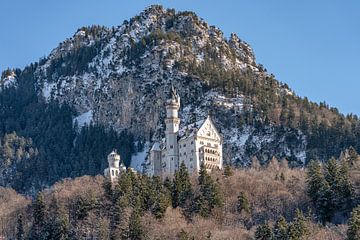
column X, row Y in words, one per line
column 256, row 203
column 119, row 78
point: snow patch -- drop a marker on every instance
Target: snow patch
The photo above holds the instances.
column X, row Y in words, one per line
column 7, row 82
column 138, row 159
column 84, row 119
column 47, row 89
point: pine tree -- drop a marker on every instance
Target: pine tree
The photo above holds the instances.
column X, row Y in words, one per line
column 346, row 189
column 353, row 232
column 124, row 189
column 107, row 185
column 341, row 188
column 57, row 223
column 324, row 206
column 263, row 232
column 39, row 214
column 182, row 190
column 20, row 234
column 320, row 192
column 315, row 180
column 135, row 228
column 298, row 227
column 228, row 172
column 243, row 203
column 160, row 198
column 281, row 229
column 210, row 196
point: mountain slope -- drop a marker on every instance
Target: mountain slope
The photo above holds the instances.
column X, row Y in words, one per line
column 127, row 72
column 119, row 78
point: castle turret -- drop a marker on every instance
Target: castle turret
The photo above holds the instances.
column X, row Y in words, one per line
column 115, row 168
column 172, row 122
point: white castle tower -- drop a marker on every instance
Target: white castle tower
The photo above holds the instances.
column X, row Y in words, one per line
column 172, row 122
column 194, row 144
column 115, row 168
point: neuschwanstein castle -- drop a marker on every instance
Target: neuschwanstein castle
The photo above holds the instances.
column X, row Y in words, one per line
column 194, row 144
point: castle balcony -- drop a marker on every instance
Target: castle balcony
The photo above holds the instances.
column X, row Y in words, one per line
column 210, row 157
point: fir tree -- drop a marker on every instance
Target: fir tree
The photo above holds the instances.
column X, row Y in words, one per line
column 346, row 190
column 353, row 232
column 39, row 227
column 20, row 234
column 57, row 222
column 298, row 227
column 263, row 232
column 281, row 229
column 160, row 198
column 108, row 190
column 182, row 190
column 228, row 172
column 210, row 196
column 243, row 203
column 135, row 228
column 315, row 180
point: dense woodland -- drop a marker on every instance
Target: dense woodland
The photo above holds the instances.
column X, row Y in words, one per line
column 39, row 144
column 272, row 202
column 41, row 148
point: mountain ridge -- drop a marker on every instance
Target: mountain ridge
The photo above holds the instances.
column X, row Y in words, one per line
column 119, row 77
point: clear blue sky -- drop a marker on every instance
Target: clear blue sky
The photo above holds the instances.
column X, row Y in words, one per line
column 313, row 45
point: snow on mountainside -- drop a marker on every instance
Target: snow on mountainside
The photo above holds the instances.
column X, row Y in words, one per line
column 8, row 81
column 120, row 77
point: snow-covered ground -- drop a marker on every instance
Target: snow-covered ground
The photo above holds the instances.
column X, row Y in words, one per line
column 8, row 81
column 84, row 119
column 138, row 158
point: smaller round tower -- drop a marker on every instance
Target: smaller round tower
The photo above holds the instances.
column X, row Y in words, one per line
column 115, row 167
column 114, row 159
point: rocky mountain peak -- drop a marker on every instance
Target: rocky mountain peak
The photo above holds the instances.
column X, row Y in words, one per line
column 120, row 77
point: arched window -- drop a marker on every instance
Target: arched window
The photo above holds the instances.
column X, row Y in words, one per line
column 112, row 172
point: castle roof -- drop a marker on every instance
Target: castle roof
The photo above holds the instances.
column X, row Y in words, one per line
column 191, row 129
column 185, row 132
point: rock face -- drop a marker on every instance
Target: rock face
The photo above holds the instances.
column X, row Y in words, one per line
column 122, row 77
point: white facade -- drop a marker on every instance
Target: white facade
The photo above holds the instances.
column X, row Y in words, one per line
column 115, row 167
column 194, row 144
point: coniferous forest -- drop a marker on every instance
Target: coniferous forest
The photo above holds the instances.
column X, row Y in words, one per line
column 40, row 143
column 261, row 202
column 295, row 176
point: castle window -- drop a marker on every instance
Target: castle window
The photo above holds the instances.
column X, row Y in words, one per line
column 201, row 142
column 112, row 172
column 192, row 150
column 117, row 173
column 171, row 146
column 184, row 145
column 180, row 154
column 192, row 142
column 191, row 159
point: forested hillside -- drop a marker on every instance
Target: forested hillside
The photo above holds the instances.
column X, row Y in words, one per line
column 39, row 144
column 262, row 202
column 117, row 79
